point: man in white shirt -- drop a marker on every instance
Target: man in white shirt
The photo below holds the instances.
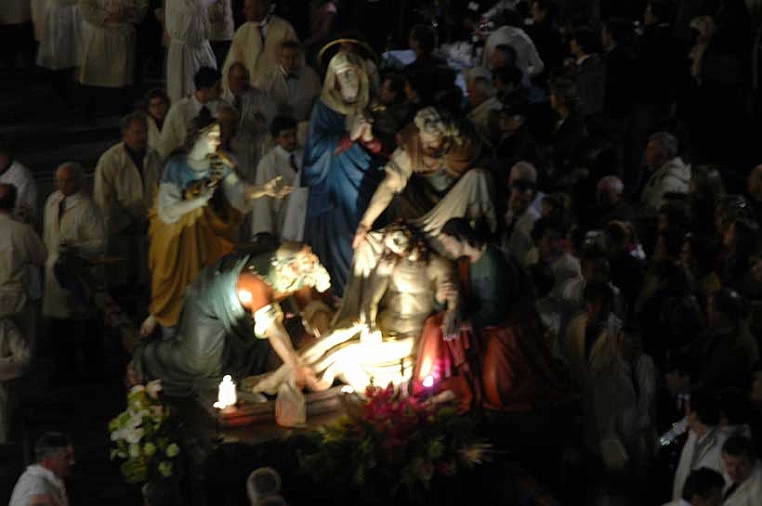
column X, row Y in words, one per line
column 668, row 173
column 208, row 82
column 284, row 161
column 126, row 179
column 702, row 448
column 13, row 172
column 293, row 85
column 744, row 472
column 257, row 42
column 20, row 249
column 73, row 224
column 42, row 483
column 481, row 97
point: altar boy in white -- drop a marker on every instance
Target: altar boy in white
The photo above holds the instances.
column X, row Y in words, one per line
column 284, row 160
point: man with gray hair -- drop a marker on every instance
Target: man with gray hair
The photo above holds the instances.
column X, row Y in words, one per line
column 667, row 173
column 482, row 99
column 126, row 178
column 42, row 483
column 520, row 217
column 73, row 225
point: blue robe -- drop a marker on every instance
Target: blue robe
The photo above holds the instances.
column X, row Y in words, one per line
column 341, row 187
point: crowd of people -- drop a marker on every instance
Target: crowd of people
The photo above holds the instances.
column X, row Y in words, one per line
column 576, row 223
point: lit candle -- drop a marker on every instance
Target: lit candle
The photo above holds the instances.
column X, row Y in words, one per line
column 227, row 395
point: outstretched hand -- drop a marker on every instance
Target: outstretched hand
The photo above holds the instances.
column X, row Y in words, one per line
column 360, row 234
column 271, row 188
column 147, row 327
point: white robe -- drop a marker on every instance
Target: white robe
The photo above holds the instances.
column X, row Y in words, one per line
column 257, row 111
column 247, row 47
column 108, row 49
column 154, row 134
column 480, row 116
column 179, row 119
column 268, row 215
column 26, row 190
column 82, row 227
column 298, row 101
column 748, row 493
column 20, row 249
column 221, row 20
column 187, row 25
column 709, row 457
column 61, row 35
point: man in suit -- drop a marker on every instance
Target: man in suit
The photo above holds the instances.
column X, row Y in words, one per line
column 744, row 472
column 588, row 69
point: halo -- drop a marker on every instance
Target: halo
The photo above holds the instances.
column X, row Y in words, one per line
column 349, row 40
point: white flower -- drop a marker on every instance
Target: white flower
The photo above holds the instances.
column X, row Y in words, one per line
column 134, row 450
column 153, row 388
column 137, row 388
column 172, row 450
column 134, row 435
column 165, row 468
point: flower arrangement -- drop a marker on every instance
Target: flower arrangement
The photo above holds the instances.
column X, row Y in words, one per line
column 394, row 444
column 143, row 436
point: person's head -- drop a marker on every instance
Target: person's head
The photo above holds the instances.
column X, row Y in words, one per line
column 703, row 487
column 290, row 56
column 459, row 238
column 609, row 190
column 543, row 10
column 479, row 90
column 504, row 55
column 238, row 78
column 564, row 95
column 157, row 103
column 204, row 137
column 702, row 409
column 616, row 31
column 402, row 240
column 135, row 131
column 507, row 79
column 283, row 130
column 584, row 42
column 673, row 213
column 55, row 452
column 549, row 235
column 228, row 117
column 297, row 266
column 261, row 483
column 662, row 147
column 669, row 244
column 208, row 83
column 392, row 89
column 422, row 40
column 522, row 180
column 728, row 209
column 256, row 10
column 738, row 457
column 594, row 265
column 754, row 182
column 706, row 186
column 8, row 193
column 726, row 307
column 69, row 178
column 742, row 238
column 436, row 130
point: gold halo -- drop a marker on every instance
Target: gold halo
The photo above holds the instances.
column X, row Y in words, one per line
column 358, row 42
